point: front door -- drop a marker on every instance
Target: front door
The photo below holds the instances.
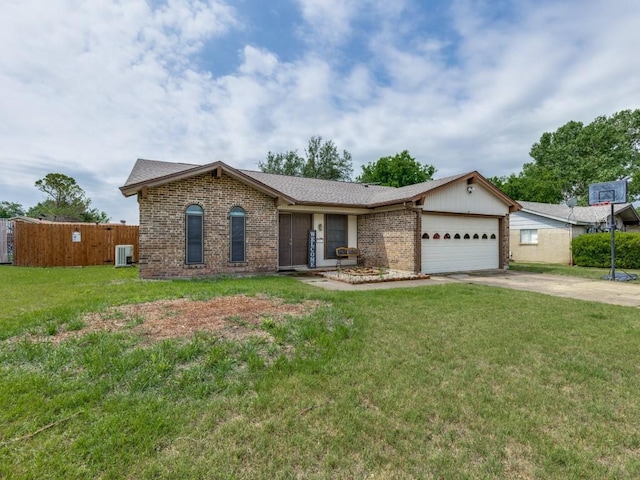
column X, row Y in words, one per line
column 293, row 246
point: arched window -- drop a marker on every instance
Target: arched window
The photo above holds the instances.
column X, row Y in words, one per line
column 237, row 223
column 484, row 236
column 425, row 235
column 493, row 236
column 447, row 236
column 436, row 236
column 476, row 236
column 456, row 236
column 194, row 234
column 466, row 236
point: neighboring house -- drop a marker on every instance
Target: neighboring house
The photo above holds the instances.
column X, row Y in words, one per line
column 215, row 219
column 542, row 232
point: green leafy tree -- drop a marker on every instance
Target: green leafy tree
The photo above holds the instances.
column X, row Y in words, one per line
column 538, row 187
column 288, row 163
column 576, row 155
column 397, row 171
column 10, row 209
column 322, row 161
column 66, row 201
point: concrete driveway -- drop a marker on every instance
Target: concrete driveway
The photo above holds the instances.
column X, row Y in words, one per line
column 615, row 293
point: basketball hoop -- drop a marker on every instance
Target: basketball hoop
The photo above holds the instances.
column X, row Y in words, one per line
column 609, row 193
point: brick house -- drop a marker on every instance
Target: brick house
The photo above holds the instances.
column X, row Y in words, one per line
column 215, row 219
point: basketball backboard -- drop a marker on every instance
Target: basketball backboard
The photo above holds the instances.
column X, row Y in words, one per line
column 608, row 193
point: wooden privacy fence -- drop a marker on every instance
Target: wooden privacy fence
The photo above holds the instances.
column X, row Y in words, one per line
column 53, row 244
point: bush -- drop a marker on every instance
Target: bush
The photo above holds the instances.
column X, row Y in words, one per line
column 594, row 250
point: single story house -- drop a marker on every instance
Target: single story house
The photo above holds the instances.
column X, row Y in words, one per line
column 542, row 232
column 216, row 219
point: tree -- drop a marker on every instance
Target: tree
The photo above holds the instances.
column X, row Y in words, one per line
column 397, row 171
column 10, row 209
column 66, row 201
column 288, row 163
column 576, row 155
column 322, row 161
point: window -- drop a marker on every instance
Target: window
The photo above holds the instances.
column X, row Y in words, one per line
column 529, row 237
column 194, row 234
column 336, row 234
column 237, row 217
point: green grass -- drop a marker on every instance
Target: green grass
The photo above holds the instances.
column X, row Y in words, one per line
column 446, row 381
column 572, row 271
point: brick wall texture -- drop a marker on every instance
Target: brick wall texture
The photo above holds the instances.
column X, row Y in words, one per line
column 504, row 251
column 554, row 246
column 162, row 228
column 389, row 239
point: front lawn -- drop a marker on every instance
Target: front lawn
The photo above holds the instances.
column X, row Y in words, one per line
column 446, row 381
column 569, row 270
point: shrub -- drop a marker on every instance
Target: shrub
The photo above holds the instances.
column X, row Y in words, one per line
column 594, row 250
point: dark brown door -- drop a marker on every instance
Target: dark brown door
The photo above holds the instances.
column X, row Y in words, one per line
column 293, row 246
column 284, row 247
column 301, row 223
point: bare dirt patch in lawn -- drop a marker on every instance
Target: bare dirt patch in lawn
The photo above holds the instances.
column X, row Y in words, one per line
column 234, row 317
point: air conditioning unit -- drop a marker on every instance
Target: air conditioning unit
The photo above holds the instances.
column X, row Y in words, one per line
column 124, row 255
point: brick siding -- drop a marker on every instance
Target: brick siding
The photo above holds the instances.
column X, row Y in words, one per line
column 389, row 239
column 162, row 228
column 504, row 251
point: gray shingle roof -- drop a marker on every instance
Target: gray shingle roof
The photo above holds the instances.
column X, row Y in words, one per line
column 144, row 170
column 314, row 190
column 578, row 215
column 300, row 189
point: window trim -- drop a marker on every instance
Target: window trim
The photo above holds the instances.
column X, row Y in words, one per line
column 530, row 238
column 199, row 213
column 234, row 213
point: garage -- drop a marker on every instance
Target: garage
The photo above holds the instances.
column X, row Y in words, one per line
column 453, row 243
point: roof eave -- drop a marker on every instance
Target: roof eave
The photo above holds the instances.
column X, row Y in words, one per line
column 555, row 217
column 396, row 201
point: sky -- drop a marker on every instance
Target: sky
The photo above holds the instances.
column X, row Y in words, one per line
column 89, row 86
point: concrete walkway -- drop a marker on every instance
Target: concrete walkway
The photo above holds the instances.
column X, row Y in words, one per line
column 615, row 293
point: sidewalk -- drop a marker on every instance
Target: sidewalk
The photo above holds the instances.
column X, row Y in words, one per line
column 615, row 293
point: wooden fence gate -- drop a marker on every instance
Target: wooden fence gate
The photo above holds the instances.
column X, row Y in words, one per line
column 5, row 241
column 70, row 244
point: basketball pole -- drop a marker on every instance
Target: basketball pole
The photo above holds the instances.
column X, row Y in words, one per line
column 613, row 246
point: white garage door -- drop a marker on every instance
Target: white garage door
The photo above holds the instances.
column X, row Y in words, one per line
column 459, row 243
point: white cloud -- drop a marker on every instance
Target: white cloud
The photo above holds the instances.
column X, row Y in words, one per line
column 257, row 61
column 327, row 21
